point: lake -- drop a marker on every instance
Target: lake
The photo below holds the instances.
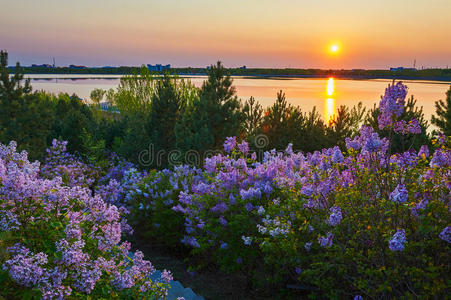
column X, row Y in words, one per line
column 326, row 94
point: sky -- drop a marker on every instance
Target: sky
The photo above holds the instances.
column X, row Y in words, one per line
column 257, row 33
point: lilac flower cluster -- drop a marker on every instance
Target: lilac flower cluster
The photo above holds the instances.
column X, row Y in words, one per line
column 446, row 234
column 326, row 241
column 89, row 252
column 73, row 172
column 398, row 240
column 391, row 105
column 235, row 209
column 335, row 216
column 402, row 127
column 400, row 194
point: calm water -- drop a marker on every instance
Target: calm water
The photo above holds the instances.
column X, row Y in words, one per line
column 326, row 94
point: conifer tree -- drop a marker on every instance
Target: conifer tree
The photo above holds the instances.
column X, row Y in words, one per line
column 214, row 116
column 443, row 111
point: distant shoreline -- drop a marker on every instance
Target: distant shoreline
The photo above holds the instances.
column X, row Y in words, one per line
column 442, row 75
column 438, row 80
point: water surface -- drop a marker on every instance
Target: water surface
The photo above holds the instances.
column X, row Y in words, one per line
column 303, row 92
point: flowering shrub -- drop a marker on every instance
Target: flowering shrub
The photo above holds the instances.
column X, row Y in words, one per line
column 153, row 200
column 72, row 171
column 59, row 240
column 361, row 223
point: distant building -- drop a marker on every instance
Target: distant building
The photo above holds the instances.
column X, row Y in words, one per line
column 402, row 69
column 243, row 68
column 158, row 67
column 41, row 66
column 77, row 67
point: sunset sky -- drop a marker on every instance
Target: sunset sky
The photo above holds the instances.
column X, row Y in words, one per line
column 255, row 33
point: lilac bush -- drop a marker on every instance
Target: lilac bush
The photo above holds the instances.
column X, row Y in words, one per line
column 360, row 222
column 59, row 239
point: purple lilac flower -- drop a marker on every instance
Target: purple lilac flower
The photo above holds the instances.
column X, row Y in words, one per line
column 358, row 297
column 335, row 216
column 352, row 144
column 414, row 127
column 400, row 127
column 440, row 158
column 421, row 205
column 166, row 276
column 8, row 221
column 373, row 143
column 247, row 240
column 392, row 104
column 446, row 234
column 337, row 156
column 223, row 221
column 441, row 139
column 298, row 270
column 190, row 241
column 244, row 147
column 250, row 193
column 219, row 208
column 326, row 241
column 229, row 144
column 307, row 246
column 400, row 194
column 424, row 151
column 398, row 240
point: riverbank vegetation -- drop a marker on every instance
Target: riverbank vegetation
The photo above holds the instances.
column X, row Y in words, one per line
column 439, row 74
column 357, row 207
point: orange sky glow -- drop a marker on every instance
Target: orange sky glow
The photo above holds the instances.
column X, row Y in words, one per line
column 255, row 33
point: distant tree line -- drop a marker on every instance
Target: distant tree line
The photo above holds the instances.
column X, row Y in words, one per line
column 170, row 116
column 425, row 74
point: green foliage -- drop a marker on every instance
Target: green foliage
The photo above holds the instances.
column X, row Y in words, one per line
column 253, row 112
column 24, row 116
column 345, row 124
column 206, row 122
column 97, row 95
column 135, row 92
column 443, row 111
column 72, row 117
column 168, row 102
column 284, row 124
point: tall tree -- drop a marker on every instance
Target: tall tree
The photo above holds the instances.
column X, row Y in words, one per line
column 214, row 116
column 167, row 105
column 443, row 111
column 253, row 113
column 24, row 116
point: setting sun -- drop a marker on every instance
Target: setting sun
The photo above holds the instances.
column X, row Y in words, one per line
column 334, row 48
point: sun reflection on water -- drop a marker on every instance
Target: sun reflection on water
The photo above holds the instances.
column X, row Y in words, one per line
column 329, row 107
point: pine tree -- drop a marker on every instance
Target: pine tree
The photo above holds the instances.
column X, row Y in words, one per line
column 443, row 111
column 25, row 117
column 215, row 115
column 167, row 104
